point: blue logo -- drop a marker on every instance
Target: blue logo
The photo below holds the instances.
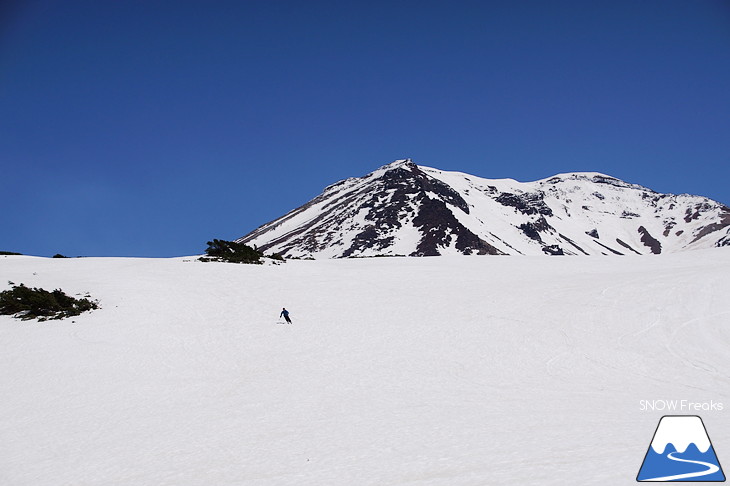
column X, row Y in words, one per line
column 680, row 451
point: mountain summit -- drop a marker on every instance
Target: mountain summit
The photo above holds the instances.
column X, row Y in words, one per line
column 406, row 209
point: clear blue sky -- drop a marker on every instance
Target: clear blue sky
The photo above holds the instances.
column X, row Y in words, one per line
column 146, row 128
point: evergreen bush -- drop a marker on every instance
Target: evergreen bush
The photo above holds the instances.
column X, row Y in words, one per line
column 34, row 303
column 230, row 251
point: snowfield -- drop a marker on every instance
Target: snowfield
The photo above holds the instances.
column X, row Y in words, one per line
column 397, row 371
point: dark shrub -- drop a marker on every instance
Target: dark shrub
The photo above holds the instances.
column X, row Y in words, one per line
column 31, row 303
column 230, row 251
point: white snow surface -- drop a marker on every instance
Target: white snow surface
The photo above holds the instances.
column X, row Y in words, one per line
column 397, row 371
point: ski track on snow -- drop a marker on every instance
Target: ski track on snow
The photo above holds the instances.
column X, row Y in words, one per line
column 695, row 363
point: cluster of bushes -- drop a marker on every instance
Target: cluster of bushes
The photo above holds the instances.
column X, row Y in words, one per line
column 57, row 255
column 233, row 252
column 34, row 303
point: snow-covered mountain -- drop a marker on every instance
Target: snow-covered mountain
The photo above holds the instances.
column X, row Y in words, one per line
column 406, row 209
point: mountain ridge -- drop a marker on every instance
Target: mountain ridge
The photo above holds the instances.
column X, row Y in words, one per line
column 406, row 209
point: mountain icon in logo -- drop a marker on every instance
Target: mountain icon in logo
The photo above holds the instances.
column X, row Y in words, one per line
column 680, row 451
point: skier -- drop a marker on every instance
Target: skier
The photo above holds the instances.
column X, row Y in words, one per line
column 285, row 313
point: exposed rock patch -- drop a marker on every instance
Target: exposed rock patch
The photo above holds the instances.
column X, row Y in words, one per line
column 650, row 241
column 528, row 203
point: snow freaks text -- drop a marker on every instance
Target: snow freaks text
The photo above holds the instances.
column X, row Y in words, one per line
column 683, row 406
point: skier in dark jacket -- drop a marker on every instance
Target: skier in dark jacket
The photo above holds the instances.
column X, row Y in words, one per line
column 285, row 313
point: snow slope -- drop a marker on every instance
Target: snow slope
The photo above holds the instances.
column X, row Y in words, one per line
column 397, row 371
